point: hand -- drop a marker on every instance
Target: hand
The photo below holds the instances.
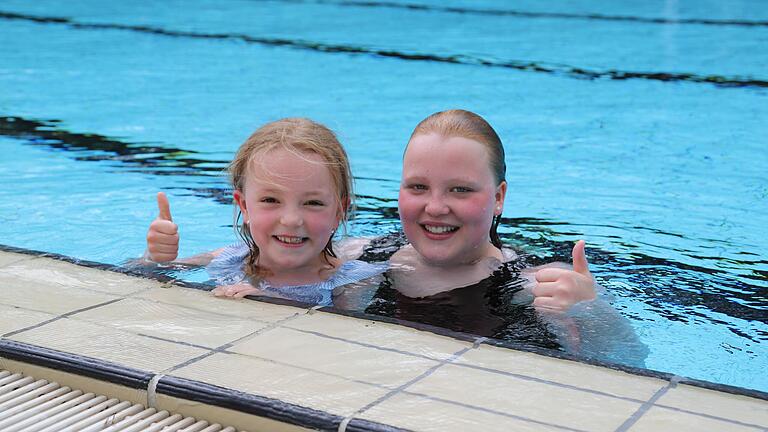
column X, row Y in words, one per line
column 236, row 291
column 163, row 235
column 559, row 289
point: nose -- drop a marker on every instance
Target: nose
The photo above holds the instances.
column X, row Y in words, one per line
column 291, row 217
column 436, row 206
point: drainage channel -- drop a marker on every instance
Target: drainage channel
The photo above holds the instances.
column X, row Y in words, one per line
column 28, row 404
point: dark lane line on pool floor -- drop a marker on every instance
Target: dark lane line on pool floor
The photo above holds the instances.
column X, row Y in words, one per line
column 458, row 59
column 526, row 14
column 656, row 272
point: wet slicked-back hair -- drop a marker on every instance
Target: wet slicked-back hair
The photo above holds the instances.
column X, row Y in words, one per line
column 466, row 124
column 299, row 136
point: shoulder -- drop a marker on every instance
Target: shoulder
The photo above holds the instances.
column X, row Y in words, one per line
column 356, row 270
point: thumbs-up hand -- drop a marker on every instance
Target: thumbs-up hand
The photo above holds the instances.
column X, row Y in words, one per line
column 163, row 235
column 560, row 288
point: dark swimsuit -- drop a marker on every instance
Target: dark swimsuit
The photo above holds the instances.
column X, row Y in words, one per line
column 487, row 308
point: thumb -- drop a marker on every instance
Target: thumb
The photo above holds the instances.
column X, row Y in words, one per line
column 164, row 207
column 580, row 264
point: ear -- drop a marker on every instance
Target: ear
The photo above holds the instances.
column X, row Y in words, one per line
column 240, row 201
column 501, row 191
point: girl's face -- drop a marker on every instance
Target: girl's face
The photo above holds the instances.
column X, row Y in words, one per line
column 448, row 197
column 290, row 205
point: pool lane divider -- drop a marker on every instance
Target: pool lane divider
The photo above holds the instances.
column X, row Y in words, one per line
column 181, row 388
column 147, row 272
column 457, row 59
column 535, row 15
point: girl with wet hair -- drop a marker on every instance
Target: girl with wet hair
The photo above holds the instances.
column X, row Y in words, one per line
column 451, row 200
column 292, row 189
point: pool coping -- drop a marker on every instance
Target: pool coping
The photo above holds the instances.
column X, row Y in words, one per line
column 148, row 274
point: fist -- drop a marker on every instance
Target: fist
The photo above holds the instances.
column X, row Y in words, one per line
column 559, row 288
column 163, row 234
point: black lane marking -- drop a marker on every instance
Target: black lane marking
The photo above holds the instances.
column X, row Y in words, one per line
column 458, row 59
column 548, row 15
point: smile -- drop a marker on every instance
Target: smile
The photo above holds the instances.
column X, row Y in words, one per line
column 291, row 240
column 443, row 229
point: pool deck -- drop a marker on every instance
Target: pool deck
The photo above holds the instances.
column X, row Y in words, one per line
column 259, row 365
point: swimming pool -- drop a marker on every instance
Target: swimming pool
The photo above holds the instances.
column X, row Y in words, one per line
column 639, row 127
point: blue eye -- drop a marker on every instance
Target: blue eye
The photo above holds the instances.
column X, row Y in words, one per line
column 315, row 203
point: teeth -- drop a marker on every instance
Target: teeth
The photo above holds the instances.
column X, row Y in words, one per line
column 439, row 229
column 292, row 240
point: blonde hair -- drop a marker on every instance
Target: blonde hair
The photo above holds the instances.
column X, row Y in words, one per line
column 466, row 124
column 297, row 135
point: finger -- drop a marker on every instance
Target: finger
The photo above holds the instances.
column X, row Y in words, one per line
column 550, row 274
column 157, row 248
column 246, row 292
column 546, row 289
column 165, row 227
column 580, row 264
column 164, row 207
column 550, row 303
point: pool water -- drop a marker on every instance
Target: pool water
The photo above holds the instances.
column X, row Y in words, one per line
column 638, row 126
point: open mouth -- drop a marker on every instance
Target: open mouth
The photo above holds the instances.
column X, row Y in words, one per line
column 291, row 240
column 439, row 230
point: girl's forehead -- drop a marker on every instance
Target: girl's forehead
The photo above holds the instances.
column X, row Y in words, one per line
column 427, row 152
column 285, row 164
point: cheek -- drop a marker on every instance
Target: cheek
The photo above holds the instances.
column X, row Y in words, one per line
column 408, row 205
column 476, row 210
column 322, row 223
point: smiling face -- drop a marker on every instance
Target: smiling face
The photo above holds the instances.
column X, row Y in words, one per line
column 448, row 198
column 291, row 208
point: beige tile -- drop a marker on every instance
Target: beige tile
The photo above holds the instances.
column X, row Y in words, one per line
column 46, row 296
column 10, row 257
column 288, row 384
column 379, row 334
column 543, row 402
column 563, row 371
column 204, row 300
column 172, row 322
column 428, row 415
column 13, row 318
column 661, row 419
column 725, row 405
column 335, row 357
column 108, row 344
column 60, row 274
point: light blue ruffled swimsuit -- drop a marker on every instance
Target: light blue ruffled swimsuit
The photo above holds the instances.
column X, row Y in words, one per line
column 227, row 269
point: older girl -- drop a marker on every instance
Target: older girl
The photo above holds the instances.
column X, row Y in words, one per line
column 451, row 201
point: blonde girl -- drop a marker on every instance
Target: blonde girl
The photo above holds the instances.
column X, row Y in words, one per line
column 293, row 189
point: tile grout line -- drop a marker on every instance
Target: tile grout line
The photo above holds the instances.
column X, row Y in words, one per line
column 59, row 317
column 492, row 411
column 224, row 347
column 402, row 387
column 476, row 344
column 710, row 416
column 647, row 405
column 196, row 309
column 549, row 382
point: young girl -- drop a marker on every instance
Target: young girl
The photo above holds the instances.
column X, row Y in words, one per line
column 293, row 188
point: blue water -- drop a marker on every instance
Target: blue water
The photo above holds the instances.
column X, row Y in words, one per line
column 664, row 175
